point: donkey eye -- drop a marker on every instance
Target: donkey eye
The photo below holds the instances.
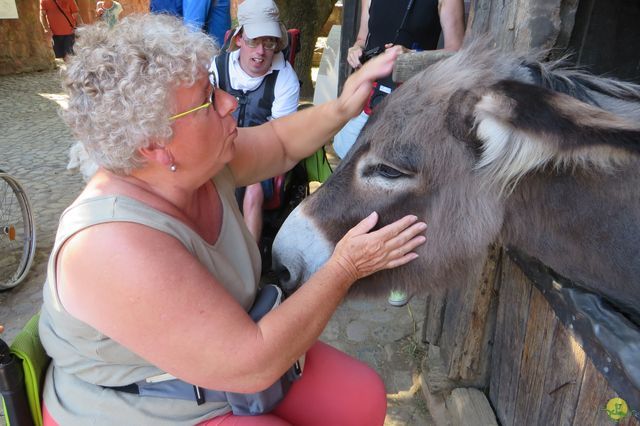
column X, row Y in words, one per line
column 388, row 172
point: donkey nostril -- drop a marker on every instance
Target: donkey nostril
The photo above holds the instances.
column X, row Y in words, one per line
column 284, row 276
column 287, row 283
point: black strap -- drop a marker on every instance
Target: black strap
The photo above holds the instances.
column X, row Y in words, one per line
column 221, row 62
column 404, row 21
column 132, row 388
column 198, row 393
column 64, row 14
column 269, row 90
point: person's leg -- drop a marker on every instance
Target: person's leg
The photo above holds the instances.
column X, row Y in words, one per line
column 58, row 46
column 335, row 389
column 47, row 420
column 225, row 420
column 346, row 137
column 252, row 209
column 69, row 41
column 231, row 420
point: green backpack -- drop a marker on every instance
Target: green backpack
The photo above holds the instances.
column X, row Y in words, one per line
column 317, row 166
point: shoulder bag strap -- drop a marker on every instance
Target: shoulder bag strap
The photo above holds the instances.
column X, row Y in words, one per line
column 64, row 14
column 404, row 20
column 221, row 62
column 269, row 90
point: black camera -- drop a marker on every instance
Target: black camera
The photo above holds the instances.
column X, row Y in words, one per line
column 368, row 54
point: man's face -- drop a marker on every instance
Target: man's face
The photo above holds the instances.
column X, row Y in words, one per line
column 256, row 55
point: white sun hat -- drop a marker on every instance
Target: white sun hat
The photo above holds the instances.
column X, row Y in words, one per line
column 259, row 18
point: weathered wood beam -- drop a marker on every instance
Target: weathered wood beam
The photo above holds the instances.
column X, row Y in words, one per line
column 409, row 64
column 469, row 407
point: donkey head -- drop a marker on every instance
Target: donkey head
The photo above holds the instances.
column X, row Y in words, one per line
column 449, row 146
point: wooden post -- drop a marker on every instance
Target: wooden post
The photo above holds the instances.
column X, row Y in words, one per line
column 348, row 33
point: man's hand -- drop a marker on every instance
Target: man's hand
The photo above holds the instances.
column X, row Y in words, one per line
column 353, row 57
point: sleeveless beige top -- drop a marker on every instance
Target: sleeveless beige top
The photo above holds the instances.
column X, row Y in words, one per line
column 84, row 360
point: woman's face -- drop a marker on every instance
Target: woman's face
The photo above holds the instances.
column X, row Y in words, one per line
column 203, row 139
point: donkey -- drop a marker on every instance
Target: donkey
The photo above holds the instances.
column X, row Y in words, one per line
column 485, row 147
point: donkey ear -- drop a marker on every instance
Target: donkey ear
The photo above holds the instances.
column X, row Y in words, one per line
column 523, row 127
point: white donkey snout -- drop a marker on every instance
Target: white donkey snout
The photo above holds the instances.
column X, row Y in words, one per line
column 299, row 250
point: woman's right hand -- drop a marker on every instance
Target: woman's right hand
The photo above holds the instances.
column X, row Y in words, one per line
column 357, row 88
column 361, row 253
column 353, row 56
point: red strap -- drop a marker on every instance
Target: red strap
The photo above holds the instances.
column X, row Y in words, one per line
column 367, row 105
column 275, row 201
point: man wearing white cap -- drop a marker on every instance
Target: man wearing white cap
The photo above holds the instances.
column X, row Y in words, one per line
column 255, row 71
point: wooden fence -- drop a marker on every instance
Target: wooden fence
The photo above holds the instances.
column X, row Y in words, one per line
column 504, row 337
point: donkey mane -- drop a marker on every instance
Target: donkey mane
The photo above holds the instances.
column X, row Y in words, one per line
column 563, row 77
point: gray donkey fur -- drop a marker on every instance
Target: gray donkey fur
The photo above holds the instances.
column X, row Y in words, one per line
column 486, row 146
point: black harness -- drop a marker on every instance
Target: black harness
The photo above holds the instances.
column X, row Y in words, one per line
column 254, row 107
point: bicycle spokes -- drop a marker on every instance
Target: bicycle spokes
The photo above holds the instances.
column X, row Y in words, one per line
column 17, row 233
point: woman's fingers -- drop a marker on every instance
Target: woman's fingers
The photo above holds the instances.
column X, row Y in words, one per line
column 405, row 236
column 365, row 225
column 357, row 87
column 401, row 245
column 382, row 65
column 362, row 253
column 404, row 249
column 394, row 229
column 353, row 56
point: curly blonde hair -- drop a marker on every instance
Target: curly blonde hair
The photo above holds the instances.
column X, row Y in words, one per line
column 121, row 84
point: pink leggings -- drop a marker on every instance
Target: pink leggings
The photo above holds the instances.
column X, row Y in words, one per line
column 335, row 389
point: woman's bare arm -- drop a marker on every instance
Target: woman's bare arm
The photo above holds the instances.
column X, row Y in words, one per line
column 452, row 22
column 278, row 145
column 152, row 296
column 355, row 51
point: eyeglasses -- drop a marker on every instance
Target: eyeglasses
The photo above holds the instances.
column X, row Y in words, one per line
column 267, row 44
column 212, row 99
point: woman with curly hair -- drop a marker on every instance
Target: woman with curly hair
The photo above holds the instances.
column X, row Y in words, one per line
column 153, row 271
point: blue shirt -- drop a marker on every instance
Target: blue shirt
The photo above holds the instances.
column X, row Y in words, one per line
column 171, row 7
column 216, row 16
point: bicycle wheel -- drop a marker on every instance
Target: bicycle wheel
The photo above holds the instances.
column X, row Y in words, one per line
column 17, row 233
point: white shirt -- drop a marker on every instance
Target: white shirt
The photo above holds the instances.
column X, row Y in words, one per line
column 286, row 90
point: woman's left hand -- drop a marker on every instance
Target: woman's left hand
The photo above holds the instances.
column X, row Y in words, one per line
column 357, row 87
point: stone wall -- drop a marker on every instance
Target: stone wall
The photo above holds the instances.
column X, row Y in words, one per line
column 24, row 47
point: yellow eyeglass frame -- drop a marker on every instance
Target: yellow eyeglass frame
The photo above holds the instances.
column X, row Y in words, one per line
column 212, row 99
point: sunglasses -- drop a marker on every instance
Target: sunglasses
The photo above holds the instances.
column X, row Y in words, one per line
column 210, row 102
column 267, row 44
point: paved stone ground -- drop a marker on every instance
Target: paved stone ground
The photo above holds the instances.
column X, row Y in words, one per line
column 33, row 146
